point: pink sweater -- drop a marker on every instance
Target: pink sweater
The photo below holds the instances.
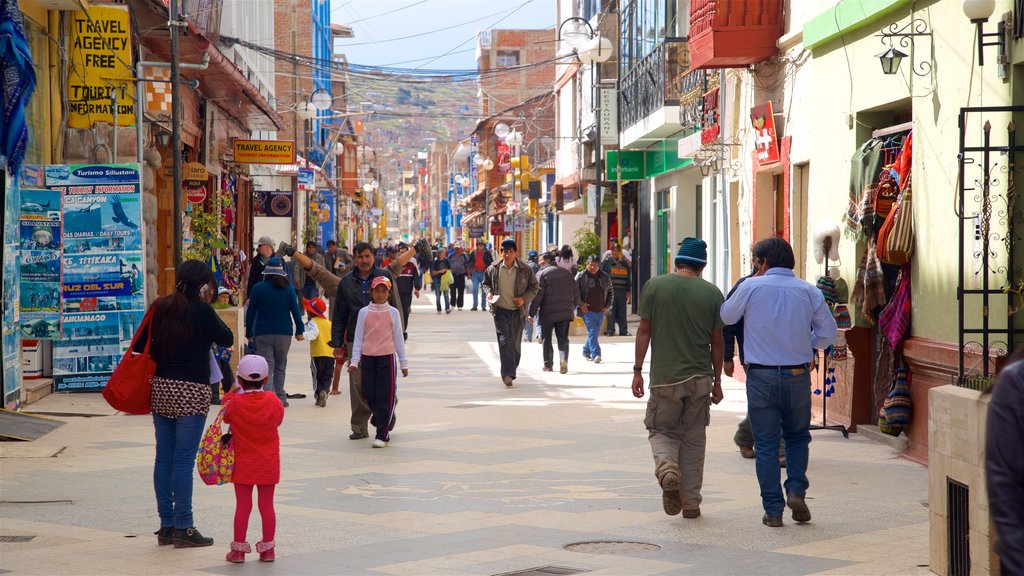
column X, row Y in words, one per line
column 379, row 333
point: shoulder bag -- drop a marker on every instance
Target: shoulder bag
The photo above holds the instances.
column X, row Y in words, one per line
column 129, row 387
column 216, row 458
column 896, row 237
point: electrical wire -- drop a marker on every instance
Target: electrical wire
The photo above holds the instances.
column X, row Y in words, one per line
column 388, row 12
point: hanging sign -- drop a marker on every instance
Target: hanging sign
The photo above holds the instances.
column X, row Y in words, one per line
column 307, row 179
column 100, row 49
column 504, row 159
column 766, row 140
column 264, row 151
column 194, row 172
column 609, row 117
column 196, row 195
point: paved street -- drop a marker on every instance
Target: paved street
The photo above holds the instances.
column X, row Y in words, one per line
column 479, row 479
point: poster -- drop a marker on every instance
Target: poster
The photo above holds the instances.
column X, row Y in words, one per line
column 39, row 240
column 273, row 203
column 10, row 336
column 766, row 140
column 101, row 67
column 324, row 207
column 102, row 270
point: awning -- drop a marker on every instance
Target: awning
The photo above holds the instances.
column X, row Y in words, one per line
column 472, row 197
column 473, row 216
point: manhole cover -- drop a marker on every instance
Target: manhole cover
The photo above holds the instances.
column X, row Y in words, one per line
column 545, row 571
column 16, row 538
column 611, row 547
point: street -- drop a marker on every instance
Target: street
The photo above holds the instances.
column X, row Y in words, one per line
column 478, row 479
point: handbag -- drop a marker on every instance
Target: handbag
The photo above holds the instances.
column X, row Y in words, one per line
column 896, row 237
column 128, row 388
column 897, row 404
column 216, row 458
column 894, row 320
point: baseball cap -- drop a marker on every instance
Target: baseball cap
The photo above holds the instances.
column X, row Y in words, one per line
column 315, row 306
column 380, row 280
column 508, row 244
column 223, row 290
column 267, row 240
column 252, row 368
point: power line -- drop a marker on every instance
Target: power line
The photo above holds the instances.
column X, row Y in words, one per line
column 388, row 12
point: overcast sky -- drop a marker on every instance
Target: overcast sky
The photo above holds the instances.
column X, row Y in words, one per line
column 376, row 32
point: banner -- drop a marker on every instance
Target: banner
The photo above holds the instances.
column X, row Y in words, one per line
column 39, row 234
column 102, row 266
column 273, row 203
column 324, row 207
column 101, row 59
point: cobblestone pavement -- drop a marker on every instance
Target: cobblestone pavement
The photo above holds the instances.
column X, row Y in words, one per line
column 479, row 479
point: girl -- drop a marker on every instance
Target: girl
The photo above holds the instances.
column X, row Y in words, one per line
column 378, row 339
column 254, row 416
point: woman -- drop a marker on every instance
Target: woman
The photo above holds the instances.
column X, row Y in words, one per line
column 566, row 259
column 271, row 319
column 185, row 326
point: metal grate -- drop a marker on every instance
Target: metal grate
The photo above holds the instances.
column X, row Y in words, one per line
column 958, row 525
column 545, row 571
column 16, row 538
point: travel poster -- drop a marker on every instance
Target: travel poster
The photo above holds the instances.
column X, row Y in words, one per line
column 39, row 239
column 102, row 270
column 10, row 336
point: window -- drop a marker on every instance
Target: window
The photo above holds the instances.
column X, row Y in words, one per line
column 507, row 58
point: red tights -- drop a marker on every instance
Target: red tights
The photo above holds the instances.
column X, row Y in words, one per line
column 243, row 508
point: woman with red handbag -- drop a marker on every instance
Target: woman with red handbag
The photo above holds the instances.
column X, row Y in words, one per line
column 183, row 328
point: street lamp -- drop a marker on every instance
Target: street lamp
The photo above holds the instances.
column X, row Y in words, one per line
column 978, row 12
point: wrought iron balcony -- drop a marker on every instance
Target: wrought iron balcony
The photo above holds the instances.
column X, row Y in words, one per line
column 653, row 82
column 204, row 16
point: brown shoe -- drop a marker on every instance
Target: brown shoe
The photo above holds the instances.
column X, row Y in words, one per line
column 671, row 501
column 747, row 451
column 772, row 521
column 801, row 513
column 694, row 513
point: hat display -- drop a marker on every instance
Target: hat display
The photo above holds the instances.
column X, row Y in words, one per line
column 275, row 267
column 508, row 244
column 380, row 281
column 693, row 250
column 828, row 289
column 252, row 367
column 315, row 306
column 265, row 241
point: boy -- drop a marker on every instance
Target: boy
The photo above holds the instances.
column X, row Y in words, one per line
column 318, row 333
column 377, row 342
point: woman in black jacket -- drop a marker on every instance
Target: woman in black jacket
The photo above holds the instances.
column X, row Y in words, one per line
column 183, row 328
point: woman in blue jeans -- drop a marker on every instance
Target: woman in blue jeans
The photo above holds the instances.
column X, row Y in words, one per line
column 183, row 328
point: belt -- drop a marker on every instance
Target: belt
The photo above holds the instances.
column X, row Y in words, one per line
column 766, row 367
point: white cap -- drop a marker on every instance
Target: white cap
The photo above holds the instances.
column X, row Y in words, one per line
column 252, row 368
column 223, row 290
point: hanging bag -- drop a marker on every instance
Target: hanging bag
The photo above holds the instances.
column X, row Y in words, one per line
column 894, row 321
column 216, row 458
column 896, row 237
column 129, row 387
column 897, row 405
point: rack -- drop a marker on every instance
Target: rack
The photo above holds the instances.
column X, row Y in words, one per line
column 890, row 130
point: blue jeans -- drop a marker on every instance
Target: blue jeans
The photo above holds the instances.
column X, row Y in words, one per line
column 778, row 399
column 478, row 290
column 592, row 320
column 177, row 442
column 438, row 292
column 529, row 329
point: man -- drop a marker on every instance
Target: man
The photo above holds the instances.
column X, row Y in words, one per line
column 438, row 267
column 459, row 262
column 595, row 288
column 305, row 285
column 482, row 258
column 409, row 281
column 509, row 285
column 531, row 261
column 784, row 320
column 331, row 256
column 264, row 250
column 557, row 297
column 679, row 320
column 617, row 267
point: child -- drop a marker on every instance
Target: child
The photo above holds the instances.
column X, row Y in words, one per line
column 378, row 339
column 254, row 416
column 318, row 333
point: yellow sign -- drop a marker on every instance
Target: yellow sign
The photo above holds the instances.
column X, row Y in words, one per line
column 264, row 151
column 194, row 172
column 101, row 60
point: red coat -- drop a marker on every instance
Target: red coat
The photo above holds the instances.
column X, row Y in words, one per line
column 254, row 418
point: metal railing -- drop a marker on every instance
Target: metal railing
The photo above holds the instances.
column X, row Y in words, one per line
column 650, row 84
column 204, row 15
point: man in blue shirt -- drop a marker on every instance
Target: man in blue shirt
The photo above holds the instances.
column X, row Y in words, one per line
column 784, row 320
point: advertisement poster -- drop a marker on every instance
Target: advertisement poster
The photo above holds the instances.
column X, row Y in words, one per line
column 39, row 238
column 273, row 203
column 10, row 337
column 102, row 271
column 324, row 207
column 101, row 71
column 766, row 140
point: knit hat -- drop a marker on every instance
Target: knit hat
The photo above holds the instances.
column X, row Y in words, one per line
column 508, row 244
column 693, row 250
column 252, row 367
column 380, row 281
column 265, row 240
column 828, row 289
column 274, row 267
column 315, row 306
column 842, row 316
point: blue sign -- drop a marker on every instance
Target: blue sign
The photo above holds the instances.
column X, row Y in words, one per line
column 307, row 179
column 445, row 213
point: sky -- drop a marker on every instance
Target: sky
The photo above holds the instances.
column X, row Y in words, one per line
column 377, row 22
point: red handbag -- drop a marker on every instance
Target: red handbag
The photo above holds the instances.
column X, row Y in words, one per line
column 129, row 386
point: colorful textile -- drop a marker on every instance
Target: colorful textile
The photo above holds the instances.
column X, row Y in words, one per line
column 17, row 82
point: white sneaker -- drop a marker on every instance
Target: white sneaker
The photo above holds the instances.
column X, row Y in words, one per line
column 378, row 443
column 597, row 359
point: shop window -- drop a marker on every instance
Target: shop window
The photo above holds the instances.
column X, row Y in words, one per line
column 507, row 58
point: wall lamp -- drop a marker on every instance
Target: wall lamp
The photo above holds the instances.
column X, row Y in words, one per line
column 978, row 12
column 891, row 58
column 589, row 46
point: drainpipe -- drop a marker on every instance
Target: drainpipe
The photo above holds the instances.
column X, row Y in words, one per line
column 140, row 86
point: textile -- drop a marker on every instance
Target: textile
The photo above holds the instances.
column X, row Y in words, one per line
column 190, row 361
column 692, row 250
column 869, row 288
column 680, row 335
column 177, row 398
column 865, row 165
column 17, row 82
column 379, row 333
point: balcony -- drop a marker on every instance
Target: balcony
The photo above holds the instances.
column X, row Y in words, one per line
column 734, row 33
column 651, row 84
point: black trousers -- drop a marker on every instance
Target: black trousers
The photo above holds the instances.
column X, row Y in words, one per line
column 561, row 330
column 508, row 325
column 458, row 290
column 406, row 298
column 618, row 312
column 380, row 375
column 323, row 373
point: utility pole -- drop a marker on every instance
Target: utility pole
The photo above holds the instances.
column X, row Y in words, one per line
column 172, row 25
